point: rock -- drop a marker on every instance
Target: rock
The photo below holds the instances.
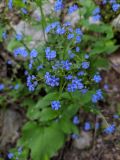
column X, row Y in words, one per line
column 73, row 18
column 84, row 141
column 116, row 23
column 10, row 124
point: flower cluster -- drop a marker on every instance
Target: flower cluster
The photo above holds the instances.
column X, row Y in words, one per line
column 50, row 54
column 96, row 14
column 115, row 6
column 51, row 80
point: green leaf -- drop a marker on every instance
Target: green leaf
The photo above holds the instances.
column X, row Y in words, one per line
column 39, row 140
column 47, row 100
column 48, row 114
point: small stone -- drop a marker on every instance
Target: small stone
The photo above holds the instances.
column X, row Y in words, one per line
column 84, row 140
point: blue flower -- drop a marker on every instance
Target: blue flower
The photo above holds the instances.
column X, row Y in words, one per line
column 77, row 49
column 31, row 82
column 39, row 67
column 60, row 30
column 10, row 155
column 85, row 65
column 50, row 55
column 33, row 53
column 69, row 77
column 10, row 4
column 73, row 8
column 19, row 36
column 76, row 120
column 96, row 11
column 97, row 125
column 96, row 18
column 115, row 7
column 78, row 31
column 16, row 86
column 24, row 10
column 2, row 86
column 19, row 150
column 97, row 96
column 110, row 129
column 115, row 116
column 66, row 65
column 70, row 36
column 75, row 85
column 75, row 136
column 51, row 80
column 78, row 39
column 4, row 35
column 97, row 78
column 86, row 56
column 58, row 5
column 87, row 126
column 55, row 105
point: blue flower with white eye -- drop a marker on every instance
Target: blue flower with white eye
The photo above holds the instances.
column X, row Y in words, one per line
column 97, row 78
column 85, row 65
column 110, row 129
column 55, row 105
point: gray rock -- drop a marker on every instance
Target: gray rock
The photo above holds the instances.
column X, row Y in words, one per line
column 83, row 141
column 116, row 23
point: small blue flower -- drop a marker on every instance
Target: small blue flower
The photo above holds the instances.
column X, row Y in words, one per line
column 4, row 35
column 87, row 126
column 33, row 53
column 78, row 39
column 66, row 65
column 76, row 120
column 97, row 96
column 96, row 11
column 81, row 73
column 85, row 65
column 50, row 55
column 106, row 87
column 10, row 155
column 96, row 18
column 10, row 4
column 86, row 56
column 110, row 129
column 2, row 86
column 97, row 78
column 77, row 49
column 115, row 116
column 78, row 31
column 116, row 7
column 73, row 8
column 19, row 36
column 70, row 36
column 39, row 67
column 16, row 86
column 19, row 150
column 58, row 5
column 69, row 77
column 24, row 10
column 55, row 105
column 75, row 136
